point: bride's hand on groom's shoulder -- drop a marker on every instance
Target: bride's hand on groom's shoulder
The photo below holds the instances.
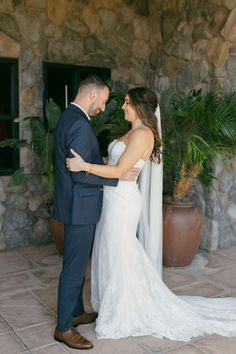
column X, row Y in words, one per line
column 76, row 163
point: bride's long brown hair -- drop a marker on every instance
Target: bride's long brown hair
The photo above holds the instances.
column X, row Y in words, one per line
column 145, row 102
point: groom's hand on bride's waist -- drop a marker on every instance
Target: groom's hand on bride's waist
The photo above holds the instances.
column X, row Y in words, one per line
column 130, row 175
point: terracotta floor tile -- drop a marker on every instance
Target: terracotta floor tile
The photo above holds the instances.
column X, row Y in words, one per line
column 39, row 254
column 217, row 344
column 156, row 345
column 230, row 293
column 10, row 344
column 86, row 329
column 218, row 260
column 38, row 336
column 225, row 277
column 230, row 252
column 12, row 262
column 17, row 282
column 175, row 278
column 51, row 349
column 32, row 314
column 204, row 288
column 4, row 328
column 50, row 260
column 23, row 310
column 48, row 276
column 188, row 349
column 48, row 296
column 118, row 346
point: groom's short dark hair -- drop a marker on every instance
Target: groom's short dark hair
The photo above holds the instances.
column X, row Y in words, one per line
column 93, row 81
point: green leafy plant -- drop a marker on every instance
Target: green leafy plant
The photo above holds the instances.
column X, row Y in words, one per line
column 201, row 128
column 110, row 124
column 41, row 143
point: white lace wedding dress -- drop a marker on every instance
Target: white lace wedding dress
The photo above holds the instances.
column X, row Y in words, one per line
column 128, row 292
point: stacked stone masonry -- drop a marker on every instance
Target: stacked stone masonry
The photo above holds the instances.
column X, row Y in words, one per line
column 169, row 45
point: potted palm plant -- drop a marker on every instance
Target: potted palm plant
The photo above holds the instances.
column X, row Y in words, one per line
column 201, row 127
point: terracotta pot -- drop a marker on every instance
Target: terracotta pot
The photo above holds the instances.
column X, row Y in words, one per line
column 58, row 235
column 181, row 232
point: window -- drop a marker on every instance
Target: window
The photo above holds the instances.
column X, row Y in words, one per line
column 9, row 158
column 61, row 81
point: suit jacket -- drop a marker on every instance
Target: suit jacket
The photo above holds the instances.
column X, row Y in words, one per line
column 78, row 195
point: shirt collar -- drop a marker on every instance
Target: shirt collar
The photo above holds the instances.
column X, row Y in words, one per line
column 77, row 105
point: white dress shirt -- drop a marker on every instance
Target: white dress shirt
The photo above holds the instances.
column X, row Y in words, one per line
column 77, row 105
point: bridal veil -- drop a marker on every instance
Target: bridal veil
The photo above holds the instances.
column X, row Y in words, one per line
column 150, row 229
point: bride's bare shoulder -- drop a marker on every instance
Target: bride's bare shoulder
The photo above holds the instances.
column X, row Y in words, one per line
column 142, row 132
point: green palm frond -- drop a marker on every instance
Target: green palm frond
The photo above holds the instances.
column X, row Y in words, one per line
column 197, row 150
column 13, row 143
column 53, row 113
column 200, row 127
column 41, row 143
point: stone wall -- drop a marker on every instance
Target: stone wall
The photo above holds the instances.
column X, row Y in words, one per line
column 165, row 44
column 219, row 208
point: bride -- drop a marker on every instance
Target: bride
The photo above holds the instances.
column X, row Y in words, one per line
column 127, row 290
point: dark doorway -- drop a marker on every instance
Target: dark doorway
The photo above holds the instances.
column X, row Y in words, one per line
column 61, row 81
column 9, row 101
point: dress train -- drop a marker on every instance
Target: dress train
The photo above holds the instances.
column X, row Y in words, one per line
column 127, row 290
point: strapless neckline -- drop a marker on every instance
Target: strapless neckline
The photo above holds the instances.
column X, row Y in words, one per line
column 121, row 141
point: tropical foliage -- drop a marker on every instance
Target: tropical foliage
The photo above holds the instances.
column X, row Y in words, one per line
column 41, row 143
column 110, row 124
column 201, row 127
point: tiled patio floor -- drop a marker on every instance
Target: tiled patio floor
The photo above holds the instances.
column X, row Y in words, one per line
column 28, row 291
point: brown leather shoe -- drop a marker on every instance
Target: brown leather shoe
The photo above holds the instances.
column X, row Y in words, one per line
column 73, row 339
column 85, row 318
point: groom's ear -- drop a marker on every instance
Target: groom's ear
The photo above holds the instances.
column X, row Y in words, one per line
column 93, row 95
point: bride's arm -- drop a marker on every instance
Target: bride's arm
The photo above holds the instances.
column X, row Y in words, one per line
column 138, row 144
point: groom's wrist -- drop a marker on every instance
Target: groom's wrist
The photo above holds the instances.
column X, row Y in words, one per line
column 89, row 167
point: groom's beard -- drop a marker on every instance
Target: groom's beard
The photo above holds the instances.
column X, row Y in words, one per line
column 93, row 110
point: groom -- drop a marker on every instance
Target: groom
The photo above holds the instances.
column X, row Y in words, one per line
column 77, row 204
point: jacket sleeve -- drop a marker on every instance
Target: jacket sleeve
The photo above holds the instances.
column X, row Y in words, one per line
column 81, row 138
column 88, row 178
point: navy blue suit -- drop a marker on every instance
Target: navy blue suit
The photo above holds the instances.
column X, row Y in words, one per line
column 78, row 205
